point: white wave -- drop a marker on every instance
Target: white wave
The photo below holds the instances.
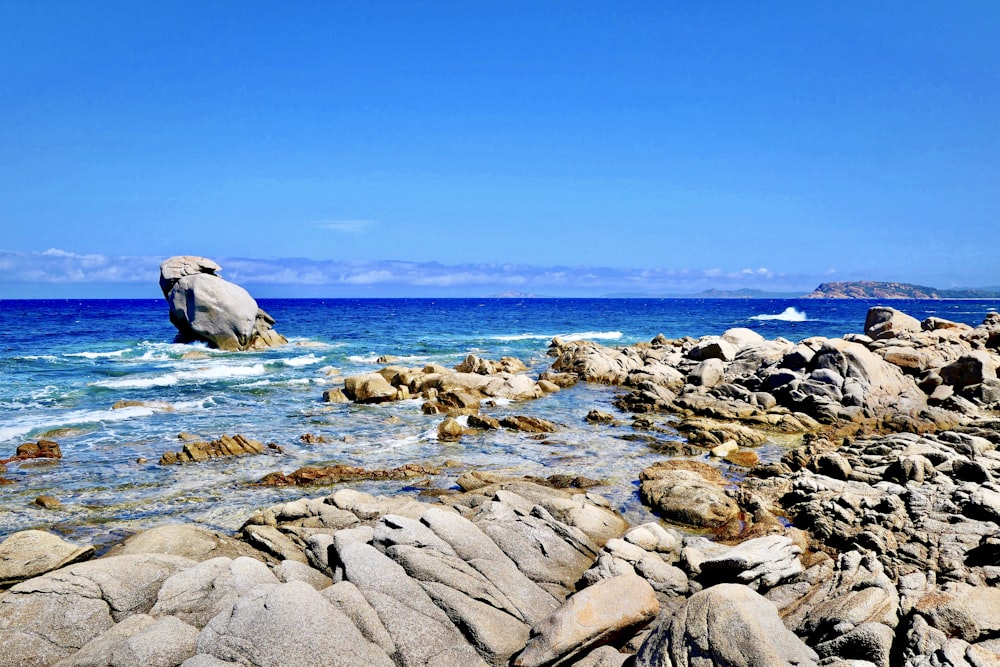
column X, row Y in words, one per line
column 789, row 314
column 208, row 374
column 97, row 355
column 74, row 418
column 301, row 361
column 363, row 359
column 39, row 357
column 373, row 358
column 568, row 337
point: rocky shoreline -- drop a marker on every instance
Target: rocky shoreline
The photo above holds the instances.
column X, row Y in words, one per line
column 873, row 541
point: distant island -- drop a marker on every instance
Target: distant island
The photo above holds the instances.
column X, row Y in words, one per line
column 867, row 289
column 862, row 289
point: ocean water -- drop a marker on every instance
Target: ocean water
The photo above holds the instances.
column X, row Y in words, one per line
column 63, row 364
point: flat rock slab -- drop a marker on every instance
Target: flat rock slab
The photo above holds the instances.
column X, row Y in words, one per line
column 30, row 553
column 52, row 616
column 274, row 625
column 423, row 635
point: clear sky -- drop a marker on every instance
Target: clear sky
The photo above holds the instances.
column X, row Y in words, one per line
column 466, row 148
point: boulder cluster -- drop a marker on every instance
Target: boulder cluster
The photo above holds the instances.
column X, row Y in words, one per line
column 900, row 375
column 444, row 389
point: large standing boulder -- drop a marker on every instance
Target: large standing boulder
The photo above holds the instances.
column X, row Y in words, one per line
column 204, row 306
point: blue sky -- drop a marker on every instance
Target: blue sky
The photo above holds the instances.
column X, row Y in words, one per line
column 468, row 148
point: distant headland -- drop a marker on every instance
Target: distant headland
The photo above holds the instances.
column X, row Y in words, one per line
column 889, row 290
column 862, row 289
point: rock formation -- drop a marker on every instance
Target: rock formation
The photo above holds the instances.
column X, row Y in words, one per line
column 205, row 307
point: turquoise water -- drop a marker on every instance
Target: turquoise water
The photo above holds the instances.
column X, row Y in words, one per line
column 63, row 364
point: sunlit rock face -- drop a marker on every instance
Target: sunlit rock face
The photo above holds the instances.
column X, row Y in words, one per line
column 204, row 306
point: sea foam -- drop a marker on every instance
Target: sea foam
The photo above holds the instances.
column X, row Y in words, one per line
column 789, row 314
column 209, row 374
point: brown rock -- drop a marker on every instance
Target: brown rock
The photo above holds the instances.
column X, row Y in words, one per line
column 594, row 616
column 450, row 430
column 528, row 424
column 43, row 449
column 48, row 502
column 236, row 445
column 343, row 473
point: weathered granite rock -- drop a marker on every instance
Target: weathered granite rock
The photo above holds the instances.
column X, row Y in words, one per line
column 884, row 322
column 205, row 307
column 596, row 615
column 235, row 445
column 190, row 541
column 692, row 493
column 369, row 388
column 728, row 624
column 52, row 616
column 138, row 640
column 199, row 593
column 272, row 625
column 29, row 553
column 336, row 474
column 759, row 563
column 422, row 633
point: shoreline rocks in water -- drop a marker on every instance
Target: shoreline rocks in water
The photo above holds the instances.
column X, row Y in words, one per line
column 205, row 307
column 874, row 542
column 226, row 446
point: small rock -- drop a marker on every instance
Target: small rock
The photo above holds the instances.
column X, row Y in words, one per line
column 48, row 502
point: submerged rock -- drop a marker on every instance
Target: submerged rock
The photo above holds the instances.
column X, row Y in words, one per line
column 205, row 307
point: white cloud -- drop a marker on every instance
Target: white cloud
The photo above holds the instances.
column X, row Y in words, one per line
column 399, row 278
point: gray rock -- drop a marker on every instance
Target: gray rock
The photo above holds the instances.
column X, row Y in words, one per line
column 431, row 566
column 763, row 562
column 291, row 570
column 275, row 625
column 474, row 547
column 186, row 540
column 728, row 624
column 346, row 597
column 602, row 656
column 596, row 615
column 29, row 553
column 197, row 594
column 963, row 611
column 970, row 369
column 537, row 545
column 422, row 633
column 496, row 635
column 138, row 640
column 204, row 660
column 597, row 523
column 709, row 373
column 397, row 530
column 868, row 641
column 883, row 322
column 712, row 347
column 273, row 541
column 205, row 307
column 54, row 615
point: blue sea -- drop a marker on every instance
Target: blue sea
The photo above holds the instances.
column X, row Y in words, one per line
column 63, row 364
